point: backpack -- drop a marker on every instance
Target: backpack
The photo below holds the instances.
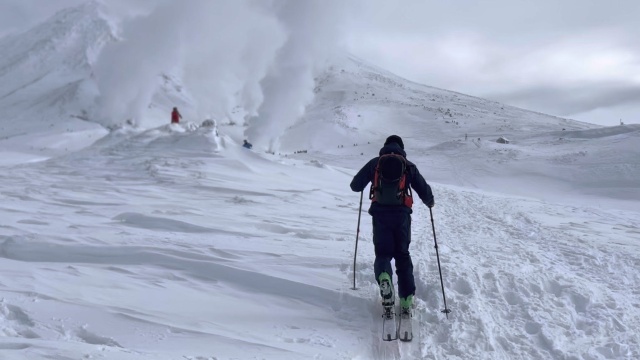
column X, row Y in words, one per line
column 390, row 181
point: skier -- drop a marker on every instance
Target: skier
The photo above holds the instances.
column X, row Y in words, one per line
column 392, row 221
column 175, row 116
column 247, row 144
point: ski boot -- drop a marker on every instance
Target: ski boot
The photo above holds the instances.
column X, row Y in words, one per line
column 389, row 330
column 405, row 331
column 386, row 290
column 406, row 305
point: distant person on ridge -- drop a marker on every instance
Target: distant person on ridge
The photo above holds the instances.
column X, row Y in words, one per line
column 175, row 116
column 392, row 176
column 247, row 144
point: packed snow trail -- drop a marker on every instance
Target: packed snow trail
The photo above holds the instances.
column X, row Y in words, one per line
column 524, row 278
column 521, row 289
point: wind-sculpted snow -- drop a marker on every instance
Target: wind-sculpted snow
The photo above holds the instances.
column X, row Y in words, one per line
column 174, row 242
column 83, row 230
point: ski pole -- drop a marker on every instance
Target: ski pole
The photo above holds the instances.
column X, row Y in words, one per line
column 356, row 251
column 446, row 310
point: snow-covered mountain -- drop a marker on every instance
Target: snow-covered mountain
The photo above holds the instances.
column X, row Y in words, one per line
column 46, row 71
column 49, row 84
column 173, row 242
column 358, row 103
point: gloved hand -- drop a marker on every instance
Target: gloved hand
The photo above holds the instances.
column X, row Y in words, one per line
column 431, row 204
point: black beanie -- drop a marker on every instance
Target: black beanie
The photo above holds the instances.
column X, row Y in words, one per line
column 394, row 139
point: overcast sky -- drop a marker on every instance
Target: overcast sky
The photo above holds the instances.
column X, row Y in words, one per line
column 573, row 58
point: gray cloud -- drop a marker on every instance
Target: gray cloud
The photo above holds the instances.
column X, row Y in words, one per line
column 491, row 49
column 500, row 19
column 572, row 100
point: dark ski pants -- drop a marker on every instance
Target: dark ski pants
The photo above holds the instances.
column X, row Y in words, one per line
column 391, row 239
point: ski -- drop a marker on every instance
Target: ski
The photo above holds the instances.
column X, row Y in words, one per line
column 405, row 330
column 389, row 329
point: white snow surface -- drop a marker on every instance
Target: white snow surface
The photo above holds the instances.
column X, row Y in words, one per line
column 174, row 242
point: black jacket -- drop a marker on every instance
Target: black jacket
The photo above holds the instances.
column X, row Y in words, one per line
column 415, row 180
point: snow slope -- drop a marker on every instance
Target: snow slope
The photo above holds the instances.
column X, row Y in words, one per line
column 173, row 242
column 46, row 72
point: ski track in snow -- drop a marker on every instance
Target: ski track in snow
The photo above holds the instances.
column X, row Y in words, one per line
column 517, row 288
column 521, row 289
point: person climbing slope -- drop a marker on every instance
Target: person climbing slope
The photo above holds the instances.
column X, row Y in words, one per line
column 392, row 176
